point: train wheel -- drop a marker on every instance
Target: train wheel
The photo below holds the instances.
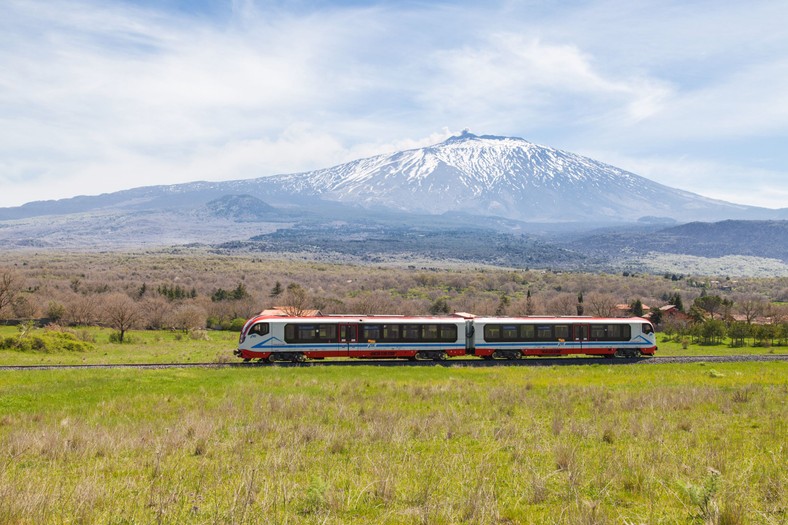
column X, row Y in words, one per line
column 440, row 356
column 246, row 359
column 270, row 358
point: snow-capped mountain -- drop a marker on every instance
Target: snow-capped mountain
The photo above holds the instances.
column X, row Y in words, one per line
column 484, row 175
column 502, row 176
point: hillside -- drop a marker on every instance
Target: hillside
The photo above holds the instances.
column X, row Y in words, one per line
column 768, row 239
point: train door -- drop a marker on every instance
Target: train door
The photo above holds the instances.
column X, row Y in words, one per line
column 581, row 333
column 348, row 336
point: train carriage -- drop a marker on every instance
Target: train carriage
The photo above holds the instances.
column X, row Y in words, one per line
column 275, row 338
column 512, row 338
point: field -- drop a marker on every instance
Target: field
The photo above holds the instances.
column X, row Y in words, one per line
column 594, row 444
column 166, row 346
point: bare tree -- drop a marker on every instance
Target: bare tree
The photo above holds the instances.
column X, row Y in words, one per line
column 188, row 317
column 601, row 304
column 24, row 307
column 156, row 310
column 82, row 310
column 751, row 307
column 121, row 313
column 562, row 304
column 8, row 289
column 295, row 301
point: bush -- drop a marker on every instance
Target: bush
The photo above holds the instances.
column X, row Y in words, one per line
column 46, row 342
column 115, row 337
column 237, row 324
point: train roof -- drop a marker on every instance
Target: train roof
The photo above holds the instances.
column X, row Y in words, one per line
column 565, row 319
column 363, row 318
column 448, row 319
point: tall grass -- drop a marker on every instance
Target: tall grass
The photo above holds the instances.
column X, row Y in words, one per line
column 570, row 445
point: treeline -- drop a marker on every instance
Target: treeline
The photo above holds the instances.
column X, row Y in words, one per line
column 200, row 290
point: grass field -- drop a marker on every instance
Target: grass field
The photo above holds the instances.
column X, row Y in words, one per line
column 166, row 346
column 593, row 445
column 144, row 346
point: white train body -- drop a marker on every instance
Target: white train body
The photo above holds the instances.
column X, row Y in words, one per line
column 276, row 338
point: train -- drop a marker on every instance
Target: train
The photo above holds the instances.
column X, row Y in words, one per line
column 297, row 339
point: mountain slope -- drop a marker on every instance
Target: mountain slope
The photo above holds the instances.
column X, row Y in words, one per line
column 477, row 175
column 506, row 177
column 767, row 239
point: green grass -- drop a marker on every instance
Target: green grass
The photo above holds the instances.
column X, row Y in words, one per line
column 144, row 346
column 674, row 348
column 592, row 444
column 165, row 346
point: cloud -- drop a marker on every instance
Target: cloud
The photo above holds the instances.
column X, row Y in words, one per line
column 97, row 96
column 717, row 180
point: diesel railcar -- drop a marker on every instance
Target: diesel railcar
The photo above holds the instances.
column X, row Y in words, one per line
column 278, row 338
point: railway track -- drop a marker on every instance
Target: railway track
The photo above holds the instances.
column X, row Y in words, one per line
column 470, row 363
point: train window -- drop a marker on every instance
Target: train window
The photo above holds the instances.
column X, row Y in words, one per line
column 527, row 332
column 260, row 329
column 327, row 332
column 611, row 332
column 626, row 332
column 370, row 332
column 429, row 332
column 492, row 332
column 448, row 333
column 410, row 332
column 647, row 328
column 390, row 332
column 509, row 332
column 310, row 333
column 562, row 331
column 544, row 332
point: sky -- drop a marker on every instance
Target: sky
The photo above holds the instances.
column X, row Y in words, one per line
column 103, row 95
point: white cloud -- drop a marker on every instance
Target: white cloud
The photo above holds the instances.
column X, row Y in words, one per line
column 97, row 96
column 732, row 183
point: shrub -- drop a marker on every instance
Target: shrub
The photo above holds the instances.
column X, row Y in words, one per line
column 46, row 342
column 237, row 324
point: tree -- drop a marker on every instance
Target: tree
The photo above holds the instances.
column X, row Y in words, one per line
column 529, row 304
column 82, row 310
column 637, row 308
column 503, row 303
column 655, row 316
column 276, row 291
column 751, row 307
column 712, row 304
column 440, row 306
column 8, row 289
column 712, row 331
column 156, row 310
column 121, row 313
column 738, row 332
column 675, row 300
column 188, row 317
column 295, row 301
column 562, row 304
column 580, row 308
column 601, row 305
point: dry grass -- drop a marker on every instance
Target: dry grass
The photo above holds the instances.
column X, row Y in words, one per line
column 573, row 445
